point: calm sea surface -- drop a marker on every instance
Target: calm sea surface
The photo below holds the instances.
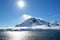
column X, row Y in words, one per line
column 30, row 35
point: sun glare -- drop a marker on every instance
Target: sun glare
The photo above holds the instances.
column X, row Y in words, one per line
column 21, row 4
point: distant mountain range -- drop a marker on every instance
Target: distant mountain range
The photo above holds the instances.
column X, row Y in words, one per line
column 37, row 22
column 55, row 23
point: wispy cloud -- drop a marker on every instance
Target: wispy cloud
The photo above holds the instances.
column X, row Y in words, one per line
column 25, row 16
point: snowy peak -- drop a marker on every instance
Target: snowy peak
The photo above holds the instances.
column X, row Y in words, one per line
column 32, row 22
column 55, row 23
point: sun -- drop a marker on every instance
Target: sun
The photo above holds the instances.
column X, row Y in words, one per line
column 21, row 4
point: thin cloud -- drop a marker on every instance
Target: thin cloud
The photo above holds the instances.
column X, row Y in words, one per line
column 25, row 16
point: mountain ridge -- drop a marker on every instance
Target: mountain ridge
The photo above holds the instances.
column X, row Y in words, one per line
column 33, row 22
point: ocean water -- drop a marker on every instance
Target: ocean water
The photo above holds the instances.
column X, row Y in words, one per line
column 30, row 35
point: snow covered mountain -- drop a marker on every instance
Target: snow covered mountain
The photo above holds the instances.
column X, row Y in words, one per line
column 55, row 23
column 33, row 22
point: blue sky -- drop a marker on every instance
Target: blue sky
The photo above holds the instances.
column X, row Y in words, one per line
column 46, row 9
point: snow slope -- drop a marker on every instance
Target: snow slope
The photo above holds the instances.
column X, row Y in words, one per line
column 32, row 22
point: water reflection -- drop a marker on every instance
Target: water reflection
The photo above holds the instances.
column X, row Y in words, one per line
column 30, row 35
